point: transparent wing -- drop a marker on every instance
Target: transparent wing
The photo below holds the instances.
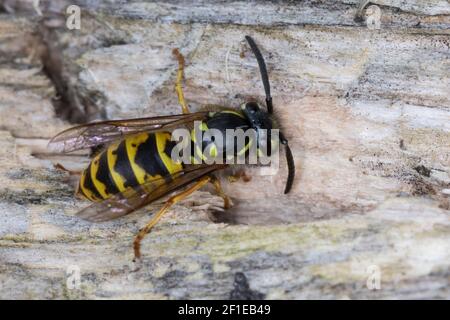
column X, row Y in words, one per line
column 98, row 133
column 134, row 198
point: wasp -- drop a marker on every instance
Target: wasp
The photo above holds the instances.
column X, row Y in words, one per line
column 135, row 166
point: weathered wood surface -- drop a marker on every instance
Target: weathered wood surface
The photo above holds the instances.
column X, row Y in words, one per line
column 367, row 113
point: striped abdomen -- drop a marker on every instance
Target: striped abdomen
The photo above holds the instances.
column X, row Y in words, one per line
column 128, row 163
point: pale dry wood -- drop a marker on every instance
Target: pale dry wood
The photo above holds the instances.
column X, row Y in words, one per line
column 367, row 113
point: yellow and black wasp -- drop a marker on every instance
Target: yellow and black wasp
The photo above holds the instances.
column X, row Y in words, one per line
column 135, row 168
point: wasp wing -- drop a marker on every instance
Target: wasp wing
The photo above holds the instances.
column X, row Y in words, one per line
column 98, row 133
column 132, row 199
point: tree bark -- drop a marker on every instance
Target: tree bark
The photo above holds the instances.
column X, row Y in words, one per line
column 366, row 112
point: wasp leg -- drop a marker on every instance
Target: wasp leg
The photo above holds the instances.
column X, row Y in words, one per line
column 180, row 76
column 59, row 166
column 238, row 175
column 71, row 173
column 226, row 200
column 171, row 201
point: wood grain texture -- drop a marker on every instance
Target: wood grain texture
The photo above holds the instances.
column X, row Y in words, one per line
column 367, row 113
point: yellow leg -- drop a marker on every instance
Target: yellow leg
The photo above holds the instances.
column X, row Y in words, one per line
column 218, row 187
column 171, row 201
column 180, row 75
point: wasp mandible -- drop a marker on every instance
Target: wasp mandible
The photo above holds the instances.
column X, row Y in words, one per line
column 135, row 167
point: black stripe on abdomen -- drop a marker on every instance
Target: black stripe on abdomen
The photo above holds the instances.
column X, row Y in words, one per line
column 104, row 175
column 123, row 166
column 89, row 185
column 148, row 158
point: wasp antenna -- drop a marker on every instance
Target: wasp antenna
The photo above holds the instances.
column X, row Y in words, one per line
column 263, row 71
column 291, row 169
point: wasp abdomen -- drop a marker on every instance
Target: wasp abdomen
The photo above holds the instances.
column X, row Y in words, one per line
column 133, row 161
